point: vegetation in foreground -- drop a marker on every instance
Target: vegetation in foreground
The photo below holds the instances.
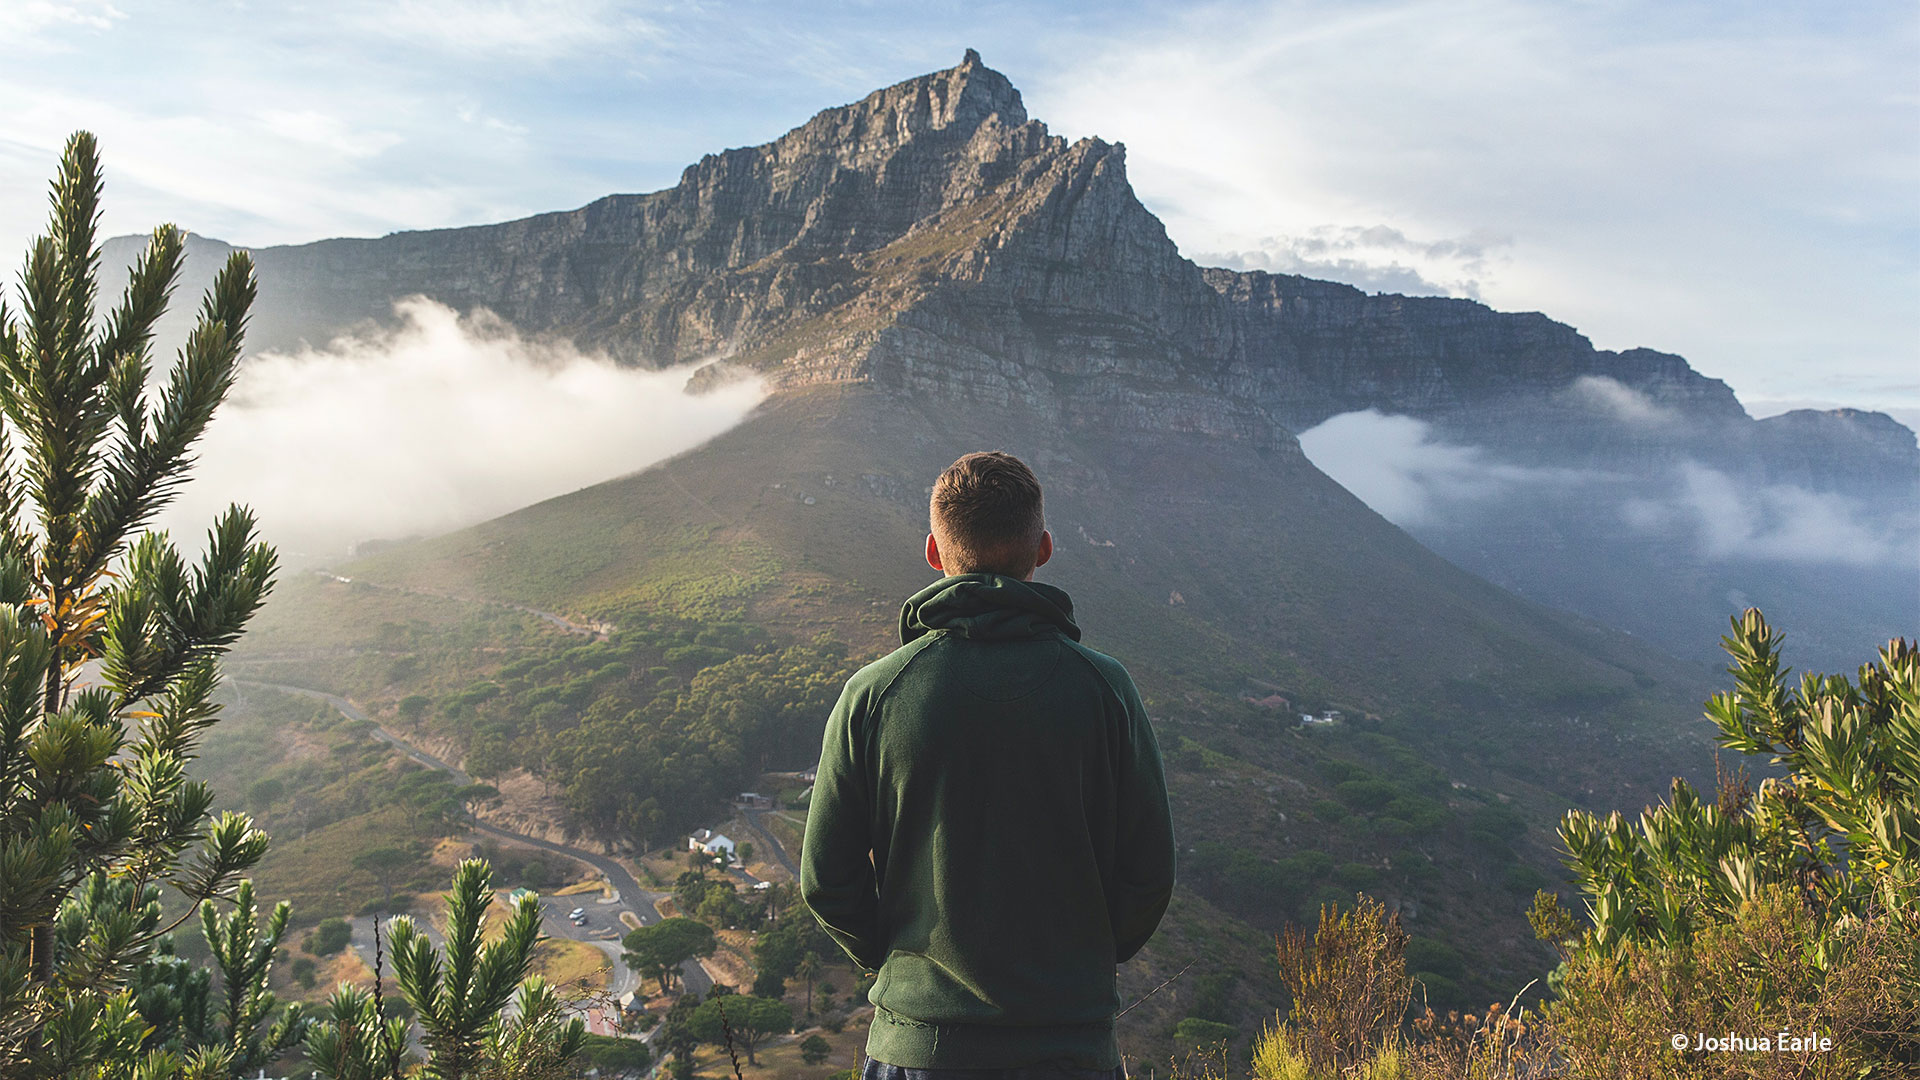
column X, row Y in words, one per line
column 1782, row 923
column 97, row 810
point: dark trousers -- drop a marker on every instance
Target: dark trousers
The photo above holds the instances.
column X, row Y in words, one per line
column 880, row 1070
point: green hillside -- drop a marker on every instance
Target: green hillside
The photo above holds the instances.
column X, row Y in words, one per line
column 745, row 578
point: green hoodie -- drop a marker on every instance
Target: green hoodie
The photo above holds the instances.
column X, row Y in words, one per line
column 1005, row 781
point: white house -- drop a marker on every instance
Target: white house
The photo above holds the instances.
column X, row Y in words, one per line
column 711, row 842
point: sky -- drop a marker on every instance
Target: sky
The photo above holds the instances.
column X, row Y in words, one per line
column 1736, row 183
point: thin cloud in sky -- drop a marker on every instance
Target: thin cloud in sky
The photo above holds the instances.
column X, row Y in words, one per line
column 1731, row 183
column 540, row 31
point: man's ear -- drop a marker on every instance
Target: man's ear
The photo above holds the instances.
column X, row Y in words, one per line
column 933, row 554
column 1046, row 549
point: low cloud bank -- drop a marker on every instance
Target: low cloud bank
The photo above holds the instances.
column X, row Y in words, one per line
column 1775, row 523
column 1396, row 466
column 441, row 422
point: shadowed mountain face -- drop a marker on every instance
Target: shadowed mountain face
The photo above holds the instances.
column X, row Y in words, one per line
column 933, row 244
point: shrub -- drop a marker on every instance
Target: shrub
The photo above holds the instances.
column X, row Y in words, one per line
column 1196, row 1031
column 1349, row 985
column 1438, row 957
column 1367, row 795
column 1357, row 876
column 329, row 937
column 1798, row 903
column 814, row 1049
column 1774, row 962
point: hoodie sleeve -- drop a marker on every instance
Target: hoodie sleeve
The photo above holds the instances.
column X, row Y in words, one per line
column 1144, row 851
column 836, row 865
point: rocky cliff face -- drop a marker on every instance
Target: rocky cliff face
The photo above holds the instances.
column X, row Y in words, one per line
column 933, row 241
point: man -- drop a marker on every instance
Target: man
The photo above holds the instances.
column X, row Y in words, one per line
column 989, row 825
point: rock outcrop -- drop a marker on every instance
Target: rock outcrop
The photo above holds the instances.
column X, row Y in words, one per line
column 933, row 241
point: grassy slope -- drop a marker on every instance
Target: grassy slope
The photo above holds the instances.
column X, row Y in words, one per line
column 1283, row 580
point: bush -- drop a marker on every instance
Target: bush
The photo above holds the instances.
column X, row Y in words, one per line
column 814, row 1049
column 1357, row 876
column 329, row 937
column 1798, row 902
column 1196, row 1032
column 1437, row 957
column 1523, row 879
column 303, row 971
column 611, row 1055
column 1328, row 810
column 1503, row 821
column 1852, row 983
column 1367, row 795
column 1349, row 986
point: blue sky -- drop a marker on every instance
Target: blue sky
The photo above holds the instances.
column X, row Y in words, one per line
column 1737, row 183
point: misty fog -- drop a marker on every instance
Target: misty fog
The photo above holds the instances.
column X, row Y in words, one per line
column 1397, row 466
column 440, row 422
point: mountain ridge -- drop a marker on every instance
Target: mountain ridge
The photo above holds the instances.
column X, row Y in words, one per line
column 934, row 241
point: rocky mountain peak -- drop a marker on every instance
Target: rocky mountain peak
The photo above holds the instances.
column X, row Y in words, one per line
column 952, row 103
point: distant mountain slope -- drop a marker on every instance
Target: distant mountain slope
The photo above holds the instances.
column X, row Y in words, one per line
column 933, row 241
column 1208, row 563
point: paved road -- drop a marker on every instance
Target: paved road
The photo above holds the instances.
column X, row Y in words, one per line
column 773, row 845
column 628, row 895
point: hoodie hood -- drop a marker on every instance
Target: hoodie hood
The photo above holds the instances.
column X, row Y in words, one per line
column 988, row 607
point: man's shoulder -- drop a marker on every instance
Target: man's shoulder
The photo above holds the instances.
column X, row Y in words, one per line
column 1112, row 671
column 875, row 677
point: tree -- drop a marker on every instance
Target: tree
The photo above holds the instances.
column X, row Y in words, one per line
column 749, row 1021
column 243, row 952
column 383, row 863
column 458, row 996
column 93, row 777
column 350, row 1040
column 814, row 1049
column 540, row 1041
column 617, row 1057
column 808, row 968
column 657, row 951
column 329, row 937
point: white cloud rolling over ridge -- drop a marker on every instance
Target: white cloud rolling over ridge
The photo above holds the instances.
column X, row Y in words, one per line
column 441, row 422
column 1397, row 466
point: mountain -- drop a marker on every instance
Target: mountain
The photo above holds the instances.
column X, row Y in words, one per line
column 933, row 241
column 929, row 271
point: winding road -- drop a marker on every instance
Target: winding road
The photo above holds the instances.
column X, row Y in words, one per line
column 628, row 896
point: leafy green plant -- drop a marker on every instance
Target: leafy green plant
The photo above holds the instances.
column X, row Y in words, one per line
column 458, row 995
column 740, row 1020
column 93, row 777
column 1841, row 826
column 657, row 951
column 1797, row 903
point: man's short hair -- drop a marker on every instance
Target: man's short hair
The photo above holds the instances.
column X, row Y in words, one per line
column 986, row 515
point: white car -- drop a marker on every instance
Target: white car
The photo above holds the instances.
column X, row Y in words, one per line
column 576, row 913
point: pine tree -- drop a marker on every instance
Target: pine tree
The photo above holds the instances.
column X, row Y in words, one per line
column 93, row 777
column 458, row 996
